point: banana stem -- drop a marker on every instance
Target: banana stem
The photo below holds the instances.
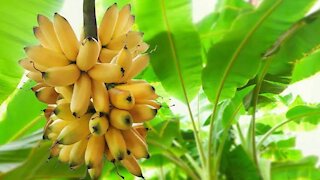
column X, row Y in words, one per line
column 89, row 19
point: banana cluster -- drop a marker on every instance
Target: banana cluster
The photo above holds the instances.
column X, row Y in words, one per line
column 96, row 109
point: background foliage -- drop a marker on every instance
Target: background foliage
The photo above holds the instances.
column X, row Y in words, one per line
column 226, row 71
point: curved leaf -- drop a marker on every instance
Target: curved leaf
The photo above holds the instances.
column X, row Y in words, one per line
column 177, row 57
column 16, row 21
column 235, row 60
column 306, row 67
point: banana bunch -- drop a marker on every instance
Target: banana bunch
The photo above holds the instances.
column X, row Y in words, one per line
column 95, row 107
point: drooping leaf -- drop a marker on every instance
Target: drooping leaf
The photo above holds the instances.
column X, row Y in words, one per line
column 27, row 159
column 23, row 110
column 304, row 114
column 234, row 60
column 240, row 166
column 177, row 58
column 16, row 21
column 301, row 169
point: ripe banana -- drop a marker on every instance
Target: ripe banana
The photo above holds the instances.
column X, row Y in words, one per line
column 98, row 124
column 55, row 127
column 94, row 152
column 109, row 155
column 123, row 17
column 64, row 154
column 123, row 60
column 117, row 43
column 77, row 153
column 36, row 76
column 120, row 119
column 135, row 144
column 61, row 76
column 100, row 97
column 141, row 130
column 47, row 29
column 63, row 112
column 142, row 112
column 81, row 95
column 54, row 151
column 88, row 53
column 131, row 164
column 95, row 172
column 75, row 131
column 38, row 86
column 47, row 95
column 105, row 72
column 46, row 57
column 152, row 103
column 140, row 48
column 66, row 36
column 129, row 24
column 140, row 90
column 121, row 99
column 108, row 24
column 40, row 36
column 48, row 112
column 138, row 64
column 65, row 91
column 29, row 65
column 133, row 39
column 116, row 143
column 106, row 55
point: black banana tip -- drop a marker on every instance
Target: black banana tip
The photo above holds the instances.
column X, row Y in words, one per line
column 153, row 89
column 129, row 99
column 155, row 111
column 148, row 156
column 128, row 152
column 141, row 176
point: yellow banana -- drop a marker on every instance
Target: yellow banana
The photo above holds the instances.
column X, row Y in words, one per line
column 75, row 131
column 94, row 152
column 36, row 76
column 62, row 101
column 123, row 17
column 77, row 153
column 141, row 130
column 66, row 36
column 139, row 49
column 81, row 95
column 29, row 65
column 138, row 64
column 65, row 91
column 142, row 112
column 124, row 60
column 129, row 24
column 106, row 55
column 105, row 72
column 55, row 127
column 88, row 53
column 116, row 143
column 117, row 43
column 152, row 103
column 46, row 57
column 63, row 112
column 95, row 172
column 61, row 76
column 64, row 154
column 109, row 155
column 133, row 39
column 132, row 165
column 54, row 151
column 47, row 95
column 121, row 99
column 140, row 90
column 135, row 144
column 40, row 36
column 38, row 86
column 47, row 29
column 108, row 24
column 120, row 119
column 100, row 97
column 48, row 112
column 98, row 124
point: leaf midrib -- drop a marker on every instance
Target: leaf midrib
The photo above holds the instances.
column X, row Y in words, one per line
column 242, row 44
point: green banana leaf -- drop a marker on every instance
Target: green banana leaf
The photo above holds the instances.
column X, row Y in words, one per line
column 174, row 43
column 234, row 60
